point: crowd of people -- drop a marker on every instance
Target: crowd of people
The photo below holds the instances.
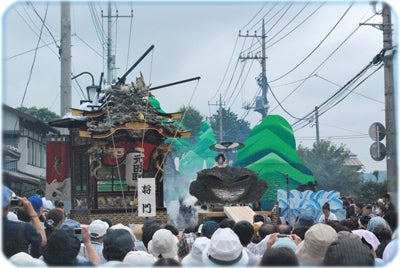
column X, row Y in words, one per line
column 367, row 237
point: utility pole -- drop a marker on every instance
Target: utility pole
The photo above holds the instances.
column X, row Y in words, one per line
column 261, row 101
column 220, row 116
column 65, row 58
column 390, row 116
column 110, row 56
column 317, row 123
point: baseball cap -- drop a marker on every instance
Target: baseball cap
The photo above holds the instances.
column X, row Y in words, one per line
column 36, row 202
column 98, row 228
column 6, row 196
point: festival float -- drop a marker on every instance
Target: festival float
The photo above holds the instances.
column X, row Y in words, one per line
column 114, row 153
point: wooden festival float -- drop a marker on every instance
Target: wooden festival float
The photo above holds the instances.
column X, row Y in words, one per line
column 113, row 143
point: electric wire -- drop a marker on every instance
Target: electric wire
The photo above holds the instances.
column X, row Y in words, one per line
column 259, row 11
column 33, row 64
column 319, row 44
column 44, row 23
column 279, row 19
column 332, row 101
column 323, row 62
column 129, row 41
column 265, row 15
column 288, row 23
column 227, row 68
column 296, row 27
column 30, row 26
column 357, row 93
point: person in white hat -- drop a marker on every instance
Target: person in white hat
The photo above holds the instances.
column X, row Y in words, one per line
column 97, row 230
column 225, row 249
column 164, row 244
column 194, row 258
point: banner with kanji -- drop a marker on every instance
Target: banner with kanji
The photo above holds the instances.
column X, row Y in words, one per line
column 146, row 197
column 133, row 168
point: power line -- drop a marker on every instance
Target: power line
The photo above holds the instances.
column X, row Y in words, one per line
column 319, row 44
column 323, row 62
column 44, row 24
column 34, row 59
column 297, row 26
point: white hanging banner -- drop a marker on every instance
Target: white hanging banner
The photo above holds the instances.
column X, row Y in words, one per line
column 146, row 197
column 133, row 168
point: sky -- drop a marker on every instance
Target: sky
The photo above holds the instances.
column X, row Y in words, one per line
column 312, row 51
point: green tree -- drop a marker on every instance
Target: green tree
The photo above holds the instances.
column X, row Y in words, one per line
column 327, row 162
column 367, row 192
column 233, row 129
column 42, row 114
column 192, row 119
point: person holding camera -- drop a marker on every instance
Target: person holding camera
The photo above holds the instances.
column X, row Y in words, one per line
column 21, row 236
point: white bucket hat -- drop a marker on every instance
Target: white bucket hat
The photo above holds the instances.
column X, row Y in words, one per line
column 311, row 251
column 140, row 258
column 195, row 256
column 163, row 243
column 225, row 249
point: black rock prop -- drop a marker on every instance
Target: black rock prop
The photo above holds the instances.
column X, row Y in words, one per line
column 227, row 185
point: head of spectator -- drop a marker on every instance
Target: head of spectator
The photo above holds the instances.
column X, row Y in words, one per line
column 305, row 218
column 226, row 223
column 358, row 209
column 384, row 235
column 300, row 231
column 367, row 210
column 245, row 231
column 350, row 224
column 285, row 242
column 225, row 249
column 138, row 231
column 62, row 248
column 149, row 228
column 258, row 218
column 279, row 256
column 266, row 229
column 26, row 260
column 164, row 244
column 54, row 219
column 194, row 258
column 172, row 228
column 209, row 227
column 375, row 221
column 6, row 197
column 139, row 258
column 69, row 225
column 284, row 229
column 37, row 203
column 311, row 250
column 363, row 221
column 348, row 252
column 107, row 220
column 391, row 218
column 97, row 229
column 326, row 209
column 116, row 244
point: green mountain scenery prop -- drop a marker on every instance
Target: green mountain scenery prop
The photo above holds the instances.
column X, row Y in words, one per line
column 195, row 156
column 270, row 150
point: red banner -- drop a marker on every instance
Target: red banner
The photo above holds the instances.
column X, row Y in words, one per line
column 123, row 148
column 57, row 161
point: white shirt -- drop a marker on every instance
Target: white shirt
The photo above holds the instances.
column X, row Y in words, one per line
column 332, row 217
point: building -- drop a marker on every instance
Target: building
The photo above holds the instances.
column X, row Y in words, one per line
column 24, row 151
